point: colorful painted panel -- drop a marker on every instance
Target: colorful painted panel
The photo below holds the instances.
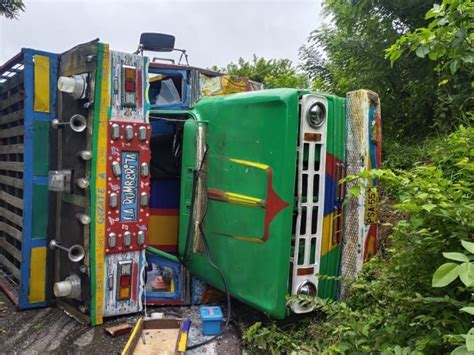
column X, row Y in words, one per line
column 124, row 283
column 363, row 150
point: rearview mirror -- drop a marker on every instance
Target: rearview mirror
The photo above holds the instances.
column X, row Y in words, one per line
column 156, row 42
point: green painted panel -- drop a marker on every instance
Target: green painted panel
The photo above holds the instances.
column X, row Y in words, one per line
column 40, row 212
column 329, row 267
column 336, row 126
column 41, row 148
column 259, row 127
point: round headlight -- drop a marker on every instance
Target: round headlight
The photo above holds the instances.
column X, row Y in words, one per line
column 316, row 115
column 307, row 288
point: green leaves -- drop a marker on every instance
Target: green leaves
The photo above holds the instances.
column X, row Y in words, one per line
column 273, row 73
column 422, row 51
column 445, row 274
column 456, row 256
column 466, row 274
column 469, row 310
column 469, row 246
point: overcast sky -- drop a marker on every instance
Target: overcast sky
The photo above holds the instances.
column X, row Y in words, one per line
column 213, row 32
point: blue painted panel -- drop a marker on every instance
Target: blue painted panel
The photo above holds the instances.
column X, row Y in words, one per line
column 28, row 179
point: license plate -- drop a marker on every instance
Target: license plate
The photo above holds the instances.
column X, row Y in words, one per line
column 371, row 205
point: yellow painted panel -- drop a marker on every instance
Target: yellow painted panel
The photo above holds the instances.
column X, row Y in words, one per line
column 327, row 244
column 163, row 230
column 37, row 275
column 42, row 87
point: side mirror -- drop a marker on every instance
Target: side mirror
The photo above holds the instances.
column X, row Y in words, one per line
column 156, row 42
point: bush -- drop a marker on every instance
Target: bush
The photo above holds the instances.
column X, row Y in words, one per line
column 393, row 307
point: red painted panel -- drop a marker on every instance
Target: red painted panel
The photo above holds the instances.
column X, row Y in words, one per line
column 114, row 224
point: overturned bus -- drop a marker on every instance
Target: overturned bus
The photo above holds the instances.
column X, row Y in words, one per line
column 125, row 180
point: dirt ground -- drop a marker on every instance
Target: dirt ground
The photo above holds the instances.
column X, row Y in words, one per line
column 52, row 331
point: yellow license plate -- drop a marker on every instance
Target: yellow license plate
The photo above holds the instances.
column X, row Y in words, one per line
column 371, row 205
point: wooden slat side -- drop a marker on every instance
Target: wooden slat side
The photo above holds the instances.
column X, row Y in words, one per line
column 9, row 265
column 10, row 101
column 11, row 181
column 11, row 165
column 12, row 132
column 11, row 117
column 11, row 149
column 12, row 200
column 11, row 231
column 10, row 249
column 12, row 82
column 12, row 217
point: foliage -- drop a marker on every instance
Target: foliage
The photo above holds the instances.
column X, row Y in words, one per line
column 393, row 307
column 448, row 41
column 448, row 273
column 350, row 54
column 273, row 73
column 11, row 8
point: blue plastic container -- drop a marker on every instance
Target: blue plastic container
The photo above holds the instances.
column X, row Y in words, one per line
column 211, row 318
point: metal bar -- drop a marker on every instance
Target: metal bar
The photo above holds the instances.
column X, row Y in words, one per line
column 12, row 200
column 11, row 231
column 10, row 249
column 9, row 265
column 11, row 149
column 12, row 217
column 11, row 117
column 12, row 132
column 11, row 181
column 201, row 187
column 11, row 165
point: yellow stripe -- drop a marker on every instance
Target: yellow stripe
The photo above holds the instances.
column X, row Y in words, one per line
column 250, row 163
column 37, row 275
column 41, row 80
column 244, row 199
column 182, row 342
column 128, row 346
column 101, row 170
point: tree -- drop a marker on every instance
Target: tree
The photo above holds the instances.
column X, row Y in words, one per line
column 349, row 54
column 11, row 8
column 448, row 42
column 273, row 73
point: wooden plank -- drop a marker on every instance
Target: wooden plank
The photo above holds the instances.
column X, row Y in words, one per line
column 11, row 100
column 11, row 231
column 12, row 200
column 11, row 165
column 9, row 289
column 11, row 181
column 12, row 217
column 9, row 265
column 10, row 249
column 12, row 132
column 11, row 149
column 157, row 341
column 11, row 117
